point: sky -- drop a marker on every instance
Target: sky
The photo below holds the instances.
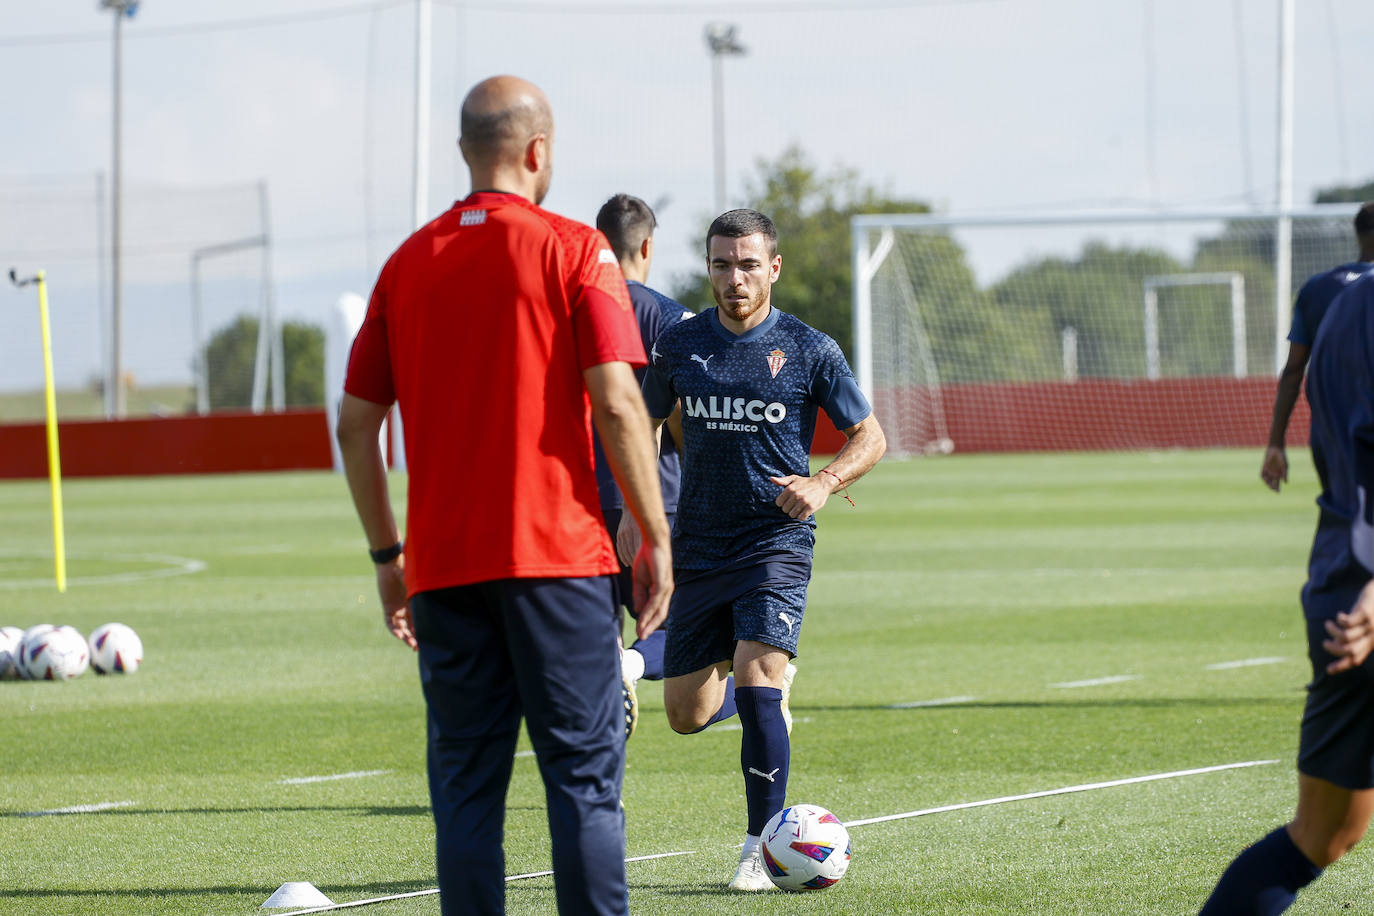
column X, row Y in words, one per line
column 306, row 107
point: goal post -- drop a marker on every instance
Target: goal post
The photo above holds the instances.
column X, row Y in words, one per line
column 1234, row 281
column 1065, row 331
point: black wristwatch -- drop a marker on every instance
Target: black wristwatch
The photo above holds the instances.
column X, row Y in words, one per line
column 387, row 554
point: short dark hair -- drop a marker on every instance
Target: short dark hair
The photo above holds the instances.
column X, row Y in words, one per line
column 1364, row 220
column 626, row 221
column 736, row 224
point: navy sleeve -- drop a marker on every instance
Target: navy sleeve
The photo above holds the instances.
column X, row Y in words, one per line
column 1297, row 333
column 659, row 396
column 835, row 389
column 1362, row 525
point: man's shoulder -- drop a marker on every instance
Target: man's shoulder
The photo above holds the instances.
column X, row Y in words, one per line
column 1355, row 304
column 1349, row 322
column 681, row 333
column 812, row 340
column 671, row 310
column 1329, row 283
column 573, row 235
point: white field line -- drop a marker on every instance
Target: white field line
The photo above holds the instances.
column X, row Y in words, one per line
column 922, row 704
column 1098, row 681
column 529, row 753
column 1066, row 790
column 358, row 774
column 435, row 890
column 1247, row 663
column 80, row 809
column 172, row 566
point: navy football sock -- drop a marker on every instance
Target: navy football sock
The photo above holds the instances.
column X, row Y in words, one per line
column 727, row 705
column 652, row 650
column 1264, row 880
column 764, row 753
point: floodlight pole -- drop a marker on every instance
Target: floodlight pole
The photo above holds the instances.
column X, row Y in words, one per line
column 1283, row 237
column 720, row 41
column 115, row 381
column 420, row 191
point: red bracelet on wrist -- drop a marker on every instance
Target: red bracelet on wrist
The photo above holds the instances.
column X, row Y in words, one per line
column 843, row 486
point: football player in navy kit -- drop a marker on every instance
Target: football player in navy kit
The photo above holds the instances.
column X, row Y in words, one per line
column 1336, row 742
column 751, row 379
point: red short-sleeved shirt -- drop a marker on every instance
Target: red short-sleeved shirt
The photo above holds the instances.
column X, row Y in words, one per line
column 480, row 327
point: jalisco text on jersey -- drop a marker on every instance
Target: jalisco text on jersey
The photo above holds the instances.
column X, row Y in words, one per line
column 733, row 409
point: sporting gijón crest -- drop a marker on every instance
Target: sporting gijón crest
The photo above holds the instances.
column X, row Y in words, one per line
column 775, row 362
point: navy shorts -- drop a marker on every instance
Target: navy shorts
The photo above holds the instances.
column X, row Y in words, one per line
column 760, row 597
column 1338, row 721
column 623, row 585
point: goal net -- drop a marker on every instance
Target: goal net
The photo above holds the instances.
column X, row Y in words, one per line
column 196, row 288
column 1033, row 333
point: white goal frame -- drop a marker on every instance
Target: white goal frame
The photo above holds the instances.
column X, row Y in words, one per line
column 872, row 238
column 1232, row 280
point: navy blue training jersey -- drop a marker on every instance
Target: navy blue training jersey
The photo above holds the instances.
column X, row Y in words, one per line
column 1340, row 388
column 653, row 312
column 748, row 413
column 1315, row 297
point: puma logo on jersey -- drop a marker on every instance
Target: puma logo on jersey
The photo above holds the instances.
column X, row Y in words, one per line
column 767, row 776
column 787, row 620
column 703, row 362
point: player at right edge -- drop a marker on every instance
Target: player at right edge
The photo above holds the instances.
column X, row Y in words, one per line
column 1336, row 745
column 751, row 379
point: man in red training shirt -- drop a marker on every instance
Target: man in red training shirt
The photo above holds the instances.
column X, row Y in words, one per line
column 504, row 332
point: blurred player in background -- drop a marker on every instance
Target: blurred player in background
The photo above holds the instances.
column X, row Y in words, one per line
column 1336, row 748
column 504, row 331
column 628, row 224
column 1313, row 300
column 750, row 379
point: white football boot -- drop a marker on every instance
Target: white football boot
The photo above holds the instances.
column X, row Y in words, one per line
column 751, row 874
column 630, row 704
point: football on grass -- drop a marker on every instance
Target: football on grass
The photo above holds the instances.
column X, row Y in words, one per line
column 805, row 848
column 57, row 654
column 32, row 634
column 115, row 649
column 9, row 652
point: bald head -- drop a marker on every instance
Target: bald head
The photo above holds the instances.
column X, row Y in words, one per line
column 500, row 116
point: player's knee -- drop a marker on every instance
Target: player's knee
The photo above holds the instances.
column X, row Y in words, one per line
column 684, row 718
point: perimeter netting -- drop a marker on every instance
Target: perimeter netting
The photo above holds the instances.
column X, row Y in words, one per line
column 1024, row 334
column 195, row 263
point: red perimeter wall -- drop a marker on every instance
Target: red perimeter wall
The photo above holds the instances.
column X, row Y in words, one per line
column 219, row 443
column 1051, row 416
column 1102, row 414
column 1094, row 415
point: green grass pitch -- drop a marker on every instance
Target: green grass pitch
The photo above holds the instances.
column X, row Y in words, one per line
column 989, row 579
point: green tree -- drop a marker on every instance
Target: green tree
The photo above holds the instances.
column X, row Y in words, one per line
column 1346, row 194
column 1099, row 296
column 811, row 210
column 233, row 349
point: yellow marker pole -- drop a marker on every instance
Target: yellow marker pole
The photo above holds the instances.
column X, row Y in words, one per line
column 54, row 457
